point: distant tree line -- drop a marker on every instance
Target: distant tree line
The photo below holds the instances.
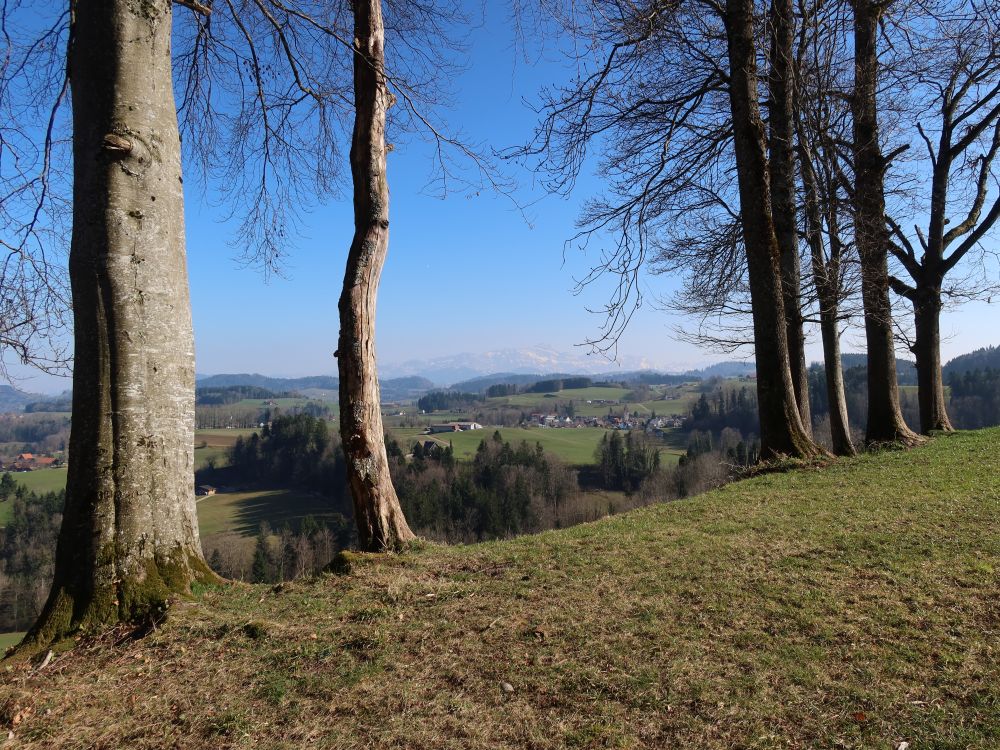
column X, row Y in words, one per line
column 501, row 389
column 15, row 428
column 734, row 408
column 209, row 417
column 231, row 394
column 27, row 552
column 975, row 398
column 296, row 451
column 505, row 490
column 730, row 446
column 50, row 405
column 626, row 462
column 559, row 384
column 284, row 554
column 448, row 401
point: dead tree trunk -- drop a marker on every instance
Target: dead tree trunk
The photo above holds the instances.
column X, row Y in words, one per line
column 381, row 525
column 129, row 537
column 781, row 86
column 781, row 429
column 885, row 419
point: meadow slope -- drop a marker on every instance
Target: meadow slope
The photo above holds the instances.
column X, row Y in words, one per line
column 852, row 606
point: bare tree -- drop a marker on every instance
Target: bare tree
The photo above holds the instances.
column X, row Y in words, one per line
column 129, row 537
column 955, row 74
column 381, row 525
column 657, row 96
column 885, row 419
column 34, row 298
column 781, row 426
column 822, row 120
column 781, row 163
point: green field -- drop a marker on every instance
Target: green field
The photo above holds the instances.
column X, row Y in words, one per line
column 42, row 480
column 852, row 605
column 242, row 512
column 221, row 437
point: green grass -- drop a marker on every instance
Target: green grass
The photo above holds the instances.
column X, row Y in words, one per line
column 849, row 606
column 9, row 639
column 214, row 453
column 242, row 512
column 42, row 480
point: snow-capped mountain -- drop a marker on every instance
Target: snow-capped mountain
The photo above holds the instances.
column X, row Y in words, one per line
column 537, row 359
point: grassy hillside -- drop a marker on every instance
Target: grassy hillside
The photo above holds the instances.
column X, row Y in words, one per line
column 853, row 606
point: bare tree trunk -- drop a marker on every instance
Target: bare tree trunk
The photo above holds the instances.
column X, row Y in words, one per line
column 781, row 428
column 927, row 348
column 885, row 419
column 381, row 525
column 130, row 531
column 781, row 84
column 827, row 280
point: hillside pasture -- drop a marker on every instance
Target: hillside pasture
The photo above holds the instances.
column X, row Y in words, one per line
column 846, row 606
column 41, row 480
column 243, row 512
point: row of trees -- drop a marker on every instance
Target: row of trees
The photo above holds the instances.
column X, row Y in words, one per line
column 861, row 98
column 675, row 102
column 263, row 87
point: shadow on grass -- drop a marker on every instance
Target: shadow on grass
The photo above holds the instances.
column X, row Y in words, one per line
column 280, row 507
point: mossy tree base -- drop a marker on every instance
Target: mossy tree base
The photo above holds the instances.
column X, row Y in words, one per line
column 139, row 598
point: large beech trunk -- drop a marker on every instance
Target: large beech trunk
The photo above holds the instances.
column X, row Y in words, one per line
column 130, row 532
column 781, row 429
column 781, row 85
column 381, row 525
column 885, row 419
column 927, row 349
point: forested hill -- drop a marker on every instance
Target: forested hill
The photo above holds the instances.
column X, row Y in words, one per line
column 906, row 370
column 13, row 400
column 980, row 359
column 822, row 607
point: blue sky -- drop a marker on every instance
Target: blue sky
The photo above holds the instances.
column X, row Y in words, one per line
column 466, row 273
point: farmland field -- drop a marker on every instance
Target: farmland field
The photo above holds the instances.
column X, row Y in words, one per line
column 41, row 480
column 220, row 438
column 242, row 512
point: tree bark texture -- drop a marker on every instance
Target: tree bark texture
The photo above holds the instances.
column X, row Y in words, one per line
column 927, row 349
column 885, row 419
column 381, row 525
column 781, row 429
column 781, row 87
column 826, row 276
column 130, row 531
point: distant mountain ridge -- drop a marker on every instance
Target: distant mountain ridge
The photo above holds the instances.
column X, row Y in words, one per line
column 277, row 385
column 317, row 386
column 453, row 369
